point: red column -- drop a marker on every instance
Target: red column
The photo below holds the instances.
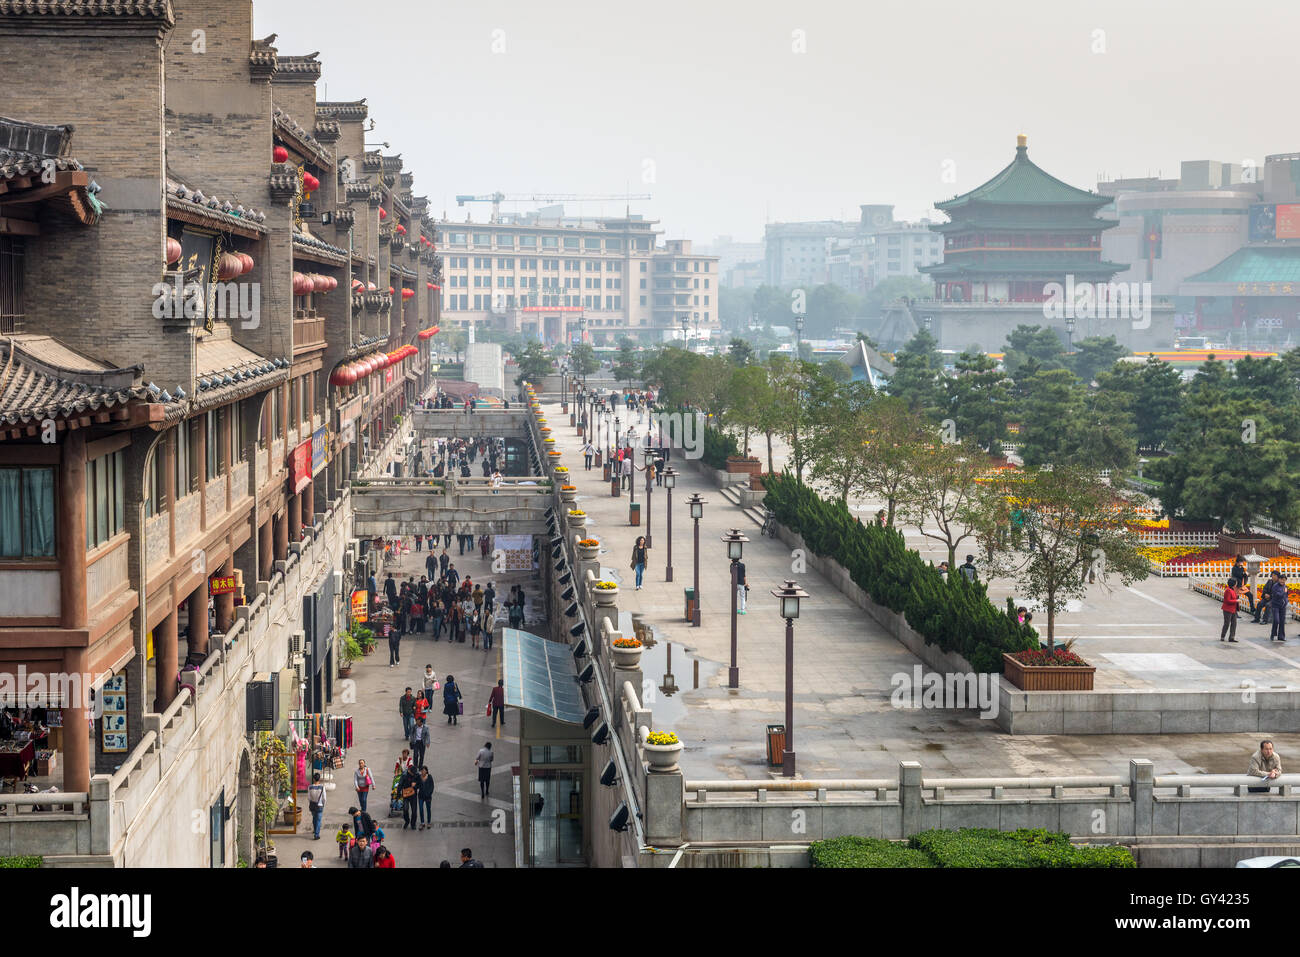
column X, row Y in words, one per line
column 166, row 662
column 198, row 606
column 264, row 550
column 295, row 518
column 225, row 604
column 281, row 538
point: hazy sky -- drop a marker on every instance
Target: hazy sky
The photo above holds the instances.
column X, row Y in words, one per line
column 710, row 100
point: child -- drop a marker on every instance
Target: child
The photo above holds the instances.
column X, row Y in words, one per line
column 343, row 838
column 377, row 838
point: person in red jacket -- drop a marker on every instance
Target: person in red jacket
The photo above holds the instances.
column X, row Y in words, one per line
column 1229, row 607
column 497, row 703
column 384, row 857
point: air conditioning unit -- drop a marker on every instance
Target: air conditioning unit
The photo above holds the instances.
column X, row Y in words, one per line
column 262, row 702
column 295, row 643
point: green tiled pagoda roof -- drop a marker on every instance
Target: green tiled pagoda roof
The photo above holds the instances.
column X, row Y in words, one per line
column 1021, row 182
column 1084, row 220
column 1255, row 264
column 1056, row 267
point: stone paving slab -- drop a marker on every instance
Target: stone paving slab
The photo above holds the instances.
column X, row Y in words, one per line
column 846, row 725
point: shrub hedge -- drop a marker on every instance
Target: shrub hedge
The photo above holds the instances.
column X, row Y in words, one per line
column 717, row 446
column 968, row 847
column 951, row 612
column 27, row 860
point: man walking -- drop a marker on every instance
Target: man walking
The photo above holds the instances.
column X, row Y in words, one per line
column 406, row 708
column 1280, row 600
column 497, row 701
column 588, row 450
column 316, row 804
column 742, row 588
column 968, row 570
column 419, row 741
column 484, row 764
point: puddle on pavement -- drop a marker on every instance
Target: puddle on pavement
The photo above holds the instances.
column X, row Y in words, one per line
column 670, row 671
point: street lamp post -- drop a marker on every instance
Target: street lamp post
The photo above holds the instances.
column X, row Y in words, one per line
column 789, row 597
column 798, row 334
column 697, row 512
column 1069, row 334
column 670, row 479
column 735, row 548
column 649, row 459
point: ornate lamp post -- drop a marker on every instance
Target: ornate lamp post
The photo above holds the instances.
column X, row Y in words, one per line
column 798, row 334
column 649, row 460
column 789, row 597
column 670, row 479
column 735, row 548
column 697, row 512
column 1069, row 334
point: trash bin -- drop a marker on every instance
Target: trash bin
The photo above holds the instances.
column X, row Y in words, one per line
column 605, row 472
column 634, row 513
column 775, row 744
column 614, row 490
column 690, row 603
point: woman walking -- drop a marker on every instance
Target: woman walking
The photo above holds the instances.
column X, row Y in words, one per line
column 638, row 559
column 363, row 782
column 425, row 792
column 451, row 700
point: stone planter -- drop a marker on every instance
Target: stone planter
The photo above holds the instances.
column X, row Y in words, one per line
column 662, row 758
column 604, row 597
column 1047, row 677
column 588, row 553
column 1238, row 544
column 568, row 498
column 577, row 521
column 626, row 658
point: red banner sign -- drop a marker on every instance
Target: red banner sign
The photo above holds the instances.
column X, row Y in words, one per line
column 301, row 467
column 221, row 584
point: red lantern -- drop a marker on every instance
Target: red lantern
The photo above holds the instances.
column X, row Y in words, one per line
column 408, row 293
column 319, row 283
column 371, row 287
column 383, row 214
column 310, row 183
column 429, row 284
column 173, row 250
column 401, row 230
column 390, row 290
column 229, row 266
column 280, row 154
column 247, row 260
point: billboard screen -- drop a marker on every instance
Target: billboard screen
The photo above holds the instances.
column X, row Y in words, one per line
column 1263, row 222
column 1288, row 221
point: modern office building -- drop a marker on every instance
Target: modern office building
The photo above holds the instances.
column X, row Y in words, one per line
column 547, row 277
column 900, row 250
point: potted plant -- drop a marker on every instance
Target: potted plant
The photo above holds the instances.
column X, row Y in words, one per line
column 1041, row 670
column 568, row 493
column 588, row 549
column 627, row 652
column 606, row 593
column 577, row 518
column 351, row 652
column 662, row 749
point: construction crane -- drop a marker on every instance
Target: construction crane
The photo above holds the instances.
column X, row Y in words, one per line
column 496, row 199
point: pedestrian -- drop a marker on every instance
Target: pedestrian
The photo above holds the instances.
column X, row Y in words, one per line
column 363, row 782
column 406, row 790
column 373, row 591
column 343, row 837
column 422, row 702
column 437, row 620
column 431, row 563
column 424, row 791
column 1241, row 575
column 360, row 855
column 1265, row 764
column 484, row 764
column 968, row 570
column 390, row 592
column 451, row 696
column 880, row 517
column 638, row 559
column 1264, row 607
column 588, row 451
column 490, row 597
column 418, row 539
column 484, row 543
column 497, row 702
column 430, row 682
column 443, row 559
column 406, row 708
column 384, row 858
column 307, row 859
column 489, row 627
column 316, row 804
column 419, row 742
column 742, row 587
column 1229, row 607
column 394, row 647
column 363, row 825
column 467, row 858
column 1280, row 601
column 475, row 629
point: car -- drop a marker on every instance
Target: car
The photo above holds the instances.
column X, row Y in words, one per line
column 1269, row 862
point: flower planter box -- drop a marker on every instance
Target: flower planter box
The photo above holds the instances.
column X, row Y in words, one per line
column 588, row 553
column 1048, row 677
column 605, row 597
column 568, row 498
column 626, row 658
column 1265, row 545
column 739, row 465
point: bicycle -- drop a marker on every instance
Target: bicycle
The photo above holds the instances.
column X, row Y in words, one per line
column 769, row 523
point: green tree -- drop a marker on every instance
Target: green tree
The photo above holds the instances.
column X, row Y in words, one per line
column 830, row 307
column 978, row 400
column 584, row 360
column 892, row 290
column 1100, row 434
column 1032, row 342
column 895, row 442
column 918, row 375
column 625, row 365
column 740, row 352
column 735, row 307
column 750, row 395
column 1076, row 523
column 535, row 364
column 840, row 423
column 943, row 499
column 1093, row 355
column 771, row 306
column 1051, row 400
column 837, row 370
column 1155, row 391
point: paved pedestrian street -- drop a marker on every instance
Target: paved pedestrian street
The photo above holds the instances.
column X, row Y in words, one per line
column 845, row 665
column 460, row 817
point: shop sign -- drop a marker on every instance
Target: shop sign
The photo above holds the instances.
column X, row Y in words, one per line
column 301, row 466
column 319, row 448
column 221, row 585
column 360, row 605
column 113, row 734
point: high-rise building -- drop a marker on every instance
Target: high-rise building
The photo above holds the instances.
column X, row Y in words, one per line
column 548, row 277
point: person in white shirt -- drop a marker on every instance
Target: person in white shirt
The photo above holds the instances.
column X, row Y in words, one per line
column 627, row 471
column 496, row 482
